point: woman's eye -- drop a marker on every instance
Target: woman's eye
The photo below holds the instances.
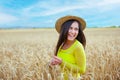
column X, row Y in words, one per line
column 76, row 29
column 70, row 27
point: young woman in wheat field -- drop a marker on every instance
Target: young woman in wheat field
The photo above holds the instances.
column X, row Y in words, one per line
column 70, row 54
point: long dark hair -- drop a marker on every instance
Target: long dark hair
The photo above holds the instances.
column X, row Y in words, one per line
column 64, row 32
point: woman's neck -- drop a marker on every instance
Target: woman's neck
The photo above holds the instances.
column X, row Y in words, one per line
column 67, row 44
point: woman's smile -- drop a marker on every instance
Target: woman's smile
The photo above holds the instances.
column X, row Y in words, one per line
column 71, row 36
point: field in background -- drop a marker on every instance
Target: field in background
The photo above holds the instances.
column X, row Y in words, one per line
column 24, row 54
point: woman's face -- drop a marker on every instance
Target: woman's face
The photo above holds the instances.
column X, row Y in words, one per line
column 73, row 31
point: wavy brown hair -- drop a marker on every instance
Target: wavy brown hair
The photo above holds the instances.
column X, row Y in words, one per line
column 64, row 31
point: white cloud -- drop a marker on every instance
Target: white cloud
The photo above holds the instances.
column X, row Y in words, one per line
column 109, row 2
column 103, row 4
column 46, row 8
column 61, row 9
column 6, row 18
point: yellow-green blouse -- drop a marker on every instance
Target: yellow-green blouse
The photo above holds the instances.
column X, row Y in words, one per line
column 73, row 59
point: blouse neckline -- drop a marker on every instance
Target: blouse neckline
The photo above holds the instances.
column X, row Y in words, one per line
column 71, row 47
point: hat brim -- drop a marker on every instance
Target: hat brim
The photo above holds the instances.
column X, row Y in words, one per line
column 60, row 21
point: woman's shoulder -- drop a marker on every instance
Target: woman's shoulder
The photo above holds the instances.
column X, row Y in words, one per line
column 78, row 45
column 78, row 48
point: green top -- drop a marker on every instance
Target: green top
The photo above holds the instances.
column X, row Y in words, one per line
column 73, row 58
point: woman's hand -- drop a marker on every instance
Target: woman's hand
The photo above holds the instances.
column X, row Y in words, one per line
column 55, row 61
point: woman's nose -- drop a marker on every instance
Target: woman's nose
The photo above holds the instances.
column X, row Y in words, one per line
column 72, row 30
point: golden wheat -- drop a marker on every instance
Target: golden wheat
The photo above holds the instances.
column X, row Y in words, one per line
column 24, row 54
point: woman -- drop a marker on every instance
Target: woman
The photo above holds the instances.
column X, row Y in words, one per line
column 70, row 54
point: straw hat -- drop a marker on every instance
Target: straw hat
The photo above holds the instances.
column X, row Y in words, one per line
column 61, row 20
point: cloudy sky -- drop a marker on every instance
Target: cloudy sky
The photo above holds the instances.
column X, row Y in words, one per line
column 44, row 13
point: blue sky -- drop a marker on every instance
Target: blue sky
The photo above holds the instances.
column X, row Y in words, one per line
column 44, row 13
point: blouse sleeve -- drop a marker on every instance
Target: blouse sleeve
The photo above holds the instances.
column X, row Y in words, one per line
column 80, row 59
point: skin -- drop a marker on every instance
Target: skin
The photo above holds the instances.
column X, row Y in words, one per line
column 72, row 34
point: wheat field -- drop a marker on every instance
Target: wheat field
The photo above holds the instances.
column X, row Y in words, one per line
column 25, row 53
